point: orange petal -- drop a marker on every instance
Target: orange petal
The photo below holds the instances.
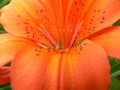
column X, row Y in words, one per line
column 78, row 69
column 85, row 17
column 36, row 22
column 74, row 14
column 9, row 46
column 100, row 16
column 109, row 38
column 4, row 75
column 85, row 69
column 59, row 8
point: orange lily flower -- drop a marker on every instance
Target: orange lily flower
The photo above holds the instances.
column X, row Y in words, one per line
column 41, row 43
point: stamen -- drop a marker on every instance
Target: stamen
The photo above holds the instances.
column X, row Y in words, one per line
column 78, row 26
column 49, row 47
column 42, row 45
column 45, row 32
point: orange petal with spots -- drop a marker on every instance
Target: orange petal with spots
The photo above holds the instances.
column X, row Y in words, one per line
column 109, row 38
column 75, row 12
column 81, row 68
column 85, row 17
column 59, row 8
column 103, row 13
column 36, row 23
column 9, row 46
column 4, row 75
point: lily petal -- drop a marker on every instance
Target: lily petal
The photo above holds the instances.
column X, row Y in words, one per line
column 85, row 17
column 109, row 38
column 36, row 22
column 59, row 9
column 81, row 68
column 9, row 46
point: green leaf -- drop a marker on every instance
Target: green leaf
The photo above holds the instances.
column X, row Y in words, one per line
column 113, row 61
column 115, row 70
column 115, row 84
column 2, row 30
column 117, row 23
column 3, row 3
column 5, row 87
column 8, row 64
column 115, row 67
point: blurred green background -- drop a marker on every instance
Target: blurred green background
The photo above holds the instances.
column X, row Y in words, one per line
column 115, row 64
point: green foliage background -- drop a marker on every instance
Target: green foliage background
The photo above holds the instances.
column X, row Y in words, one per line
column 115, row 64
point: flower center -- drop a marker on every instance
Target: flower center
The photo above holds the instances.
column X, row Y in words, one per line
column 61, row 44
